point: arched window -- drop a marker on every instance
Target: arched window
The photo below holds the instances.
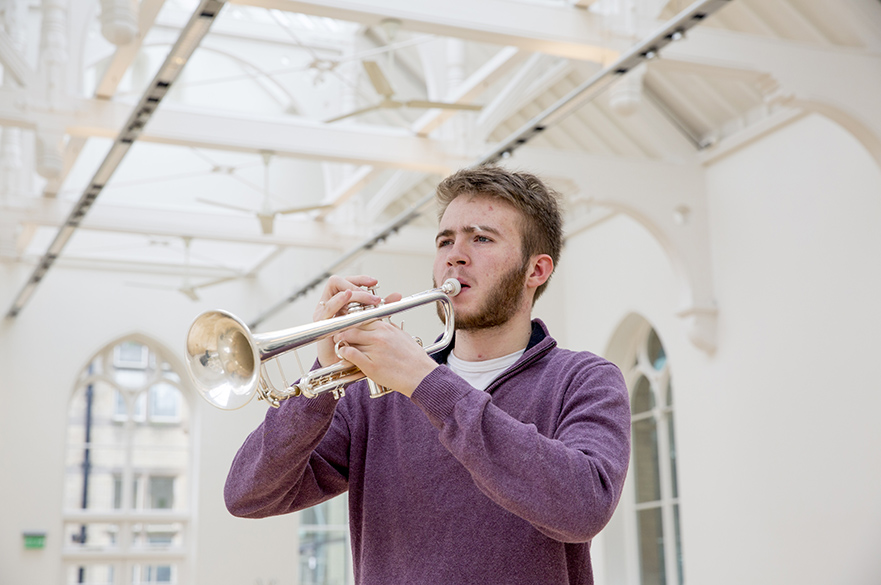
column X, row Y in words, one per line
column 653, row 466
column 128, row 469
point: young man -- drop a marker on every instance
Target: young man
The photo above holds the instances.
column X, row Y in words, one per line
column 496, row 461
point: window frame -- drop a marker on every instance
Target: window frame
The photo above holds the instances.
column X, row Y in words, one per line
column 120, row 529
column 662, row 413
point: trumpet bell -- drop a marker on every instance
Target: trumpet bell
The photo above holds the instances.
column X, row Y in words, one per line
column 224, row 364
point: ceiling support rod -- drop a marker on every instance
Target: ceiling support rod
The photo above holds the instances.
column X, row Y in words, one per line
column 647, row 49
column 190, row 37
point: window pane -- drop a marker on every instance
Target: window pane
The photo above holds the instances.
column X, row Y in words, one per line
column 130, row 354
column 157, row 537
column 144, row 574
column 131, row 379
column 89, row 479
column 643, row 400
column 118, row 503
column 91, row 535
column 90, row 574
column 323, row 557
column 170, row 464
column 657, row 356
column 651, row 547
column 645, row 455
column 678, row 543
column 163, row 574
column 671, row 436
column 130, row 404
column 161, row 493
column 165, row 402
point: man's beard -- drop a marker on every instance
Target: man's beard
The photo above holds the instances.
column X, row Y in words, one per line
column 498, row 307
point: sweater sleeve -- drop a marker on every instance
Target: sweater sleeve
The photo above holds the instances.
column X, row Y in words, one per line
column 296, row 458
column 566, row 485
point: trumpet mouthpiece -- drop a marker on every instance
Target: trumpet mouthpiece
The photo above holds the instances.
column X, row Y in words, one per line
column 451, row 286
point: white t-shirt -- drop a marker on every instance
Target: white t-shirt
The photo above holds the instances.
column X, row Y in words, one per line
column 481, row 374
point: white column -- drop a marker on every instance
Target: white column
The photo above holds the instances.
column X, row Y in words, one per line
column 53, row 61
column 15, row 25
column 53, row 50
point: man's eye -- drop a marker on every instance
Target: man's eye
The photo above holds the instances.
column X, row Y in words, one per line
column 482, row 239
column 442, row 243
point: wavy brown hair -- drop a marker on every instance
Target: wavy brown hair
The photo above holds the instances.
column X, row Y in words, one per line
column 541, row 220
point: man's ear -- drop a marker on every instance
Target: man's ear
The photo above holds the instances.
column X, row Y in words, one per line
column 542, row 267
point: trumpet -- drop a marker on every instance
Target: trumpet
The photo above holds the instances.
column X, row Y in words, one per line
column 225, row 361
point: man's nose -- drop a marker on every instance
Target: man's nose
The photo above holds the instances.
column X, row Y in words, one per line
column 457, row 256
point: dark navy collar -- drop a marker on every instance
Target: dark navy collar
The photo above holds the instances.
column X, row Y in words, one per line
column 539, row 333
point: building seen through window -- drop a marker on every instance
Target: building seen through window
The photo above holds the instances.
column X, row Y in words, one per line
column 127, row 478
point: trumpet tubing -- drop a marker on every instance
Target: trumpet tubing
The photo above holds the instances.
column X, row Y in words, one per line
column 224, row 359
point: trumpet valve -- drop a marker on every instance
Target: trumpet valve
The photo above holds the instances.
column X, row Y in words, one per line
column 376, row 390
column 355, row 307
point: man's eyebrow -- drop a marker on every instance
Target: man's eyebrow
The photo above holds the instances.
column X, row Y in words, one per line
column 468, row 229
column 480, row 228
column 443, row 234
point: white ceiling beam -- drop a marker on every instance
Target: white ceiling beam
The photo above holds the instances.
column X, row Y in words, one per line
column 393, row 189
column 749, row 135
column 293, row 137
column 863, row 18
column 349, row 187
column 304, row 139
column 679, row 145
column 478, row 82
column 147, row 267
column 708, row 70
column 558, row 30
column 72, row 150
column 794, row 15
column 523, row 87
column 228, row 228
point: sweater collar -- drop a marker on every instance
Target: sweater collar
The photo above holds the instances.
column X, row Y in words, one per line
column 540, row 340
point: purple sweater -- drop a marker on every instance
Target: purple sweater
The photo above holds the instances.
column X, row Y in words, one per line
column 455, row 485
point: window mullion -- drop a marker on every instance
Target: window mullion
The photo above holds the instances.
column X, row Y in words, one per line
column 667, row 499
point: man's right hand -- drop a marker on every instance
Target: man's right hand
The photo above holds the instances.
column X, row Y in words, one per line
column 338, row 293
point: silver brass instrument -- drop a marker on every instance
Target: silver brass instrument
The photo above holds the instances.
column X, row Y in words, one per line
column 225, row 360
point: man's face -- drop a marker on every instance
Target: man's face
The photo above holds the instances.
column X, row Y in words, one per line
column 479, row 243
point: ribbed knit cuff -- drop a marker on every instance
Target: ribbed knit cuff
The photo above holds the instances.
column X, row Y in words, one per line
column 323, row 404
column 438, row 394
